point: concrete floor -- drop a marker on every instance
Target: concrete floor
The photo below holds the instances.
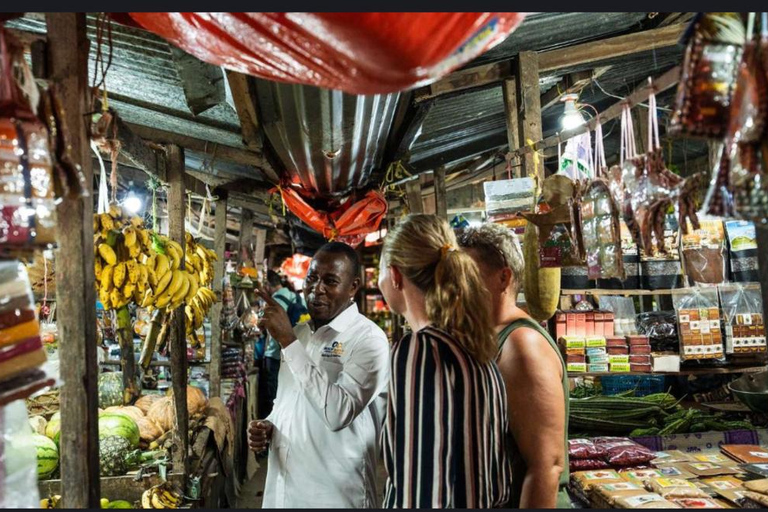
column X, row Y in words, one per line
column 252, row 493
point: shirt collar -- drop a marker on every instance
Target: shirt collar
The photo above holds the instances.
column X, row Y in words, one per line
column 344, row 319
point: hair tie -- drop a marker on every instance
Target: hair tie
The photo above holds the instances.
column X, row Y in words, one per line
column 446, row 249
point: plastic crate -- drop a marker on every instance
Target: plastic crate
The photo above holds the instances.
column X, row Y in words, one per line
column 642, row 384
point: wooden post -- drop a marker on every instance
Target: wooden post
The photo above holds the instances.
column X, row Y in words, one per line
column 75, row 281
column 219, row 245
column 178, row 334
column 260, row 247
column 529, row 110
column 246, row 237
column 509, row 93
column 441, row 204
column 413, row 194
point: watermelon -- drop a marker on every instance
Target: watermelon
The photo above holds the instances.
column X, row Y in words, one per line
column 110, row 389
column 47, row 456
column 111, row 424
column 53, row 427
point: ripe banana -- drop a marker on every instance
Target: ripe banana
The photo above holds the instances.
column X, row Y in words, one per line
column 182, row 291
column 162, row 265
column 176, row 282
column 151, row 277
column 148, row 299
column 128, row 290
column 130, row 236
column 163, row 282
column 107, row 253
column 194, row 286
column 132, row 268
column 106, row 221
column 97, row 268
column 106, row 277
column 115, row 211
column 134, row 251
column 146, row 499
column 162, row 301
column 118, row 275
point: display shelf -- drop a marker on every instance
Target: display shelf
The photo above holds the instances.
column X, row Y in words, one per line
column 683, row 371
column 666, row 291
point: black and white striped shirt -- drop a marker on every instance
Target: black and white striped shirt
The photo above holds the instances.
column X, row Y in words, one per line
column 444, row 437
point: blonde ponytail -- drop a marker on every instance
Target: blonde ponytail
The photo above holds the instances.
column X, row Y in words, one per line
column 424, row 248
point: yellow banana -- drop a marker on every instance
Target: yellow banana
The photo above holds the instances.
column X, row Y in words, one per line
column 151, row 277
column 107, row 253
column 182, row 291
column 128, row 290
column 148, row 299
column 163, row 282
column 132, row 268
column 134, row 251
column 162, row 301
column 193, row 287
column 190, row 316
column 199, row 317
column 97, row 267
column 115, row 211
column 118, row 275
column 162, row 265
column 156, row 502
column 106, row 221
column 176, row 282
column 176, row 246
column 146, row 500
column 130, row 236
column 146, row 240
column 138, row 294
column 106, row 277
column 96, row 223
column 104, row 298
column 116, row 298
column 143, row 275
column 137, row 222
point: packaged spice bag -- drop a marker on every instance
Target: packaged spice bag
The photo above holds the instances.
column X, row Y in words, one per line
column 744, row 323
column 675, row 488
column 647, row 500
column 742, row 250
column 698, row 321
column 703, row 253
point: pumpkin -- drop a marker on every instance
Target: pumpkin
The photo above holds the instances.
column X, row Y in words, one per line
column 148, row 429
column 163, row 412
column 38, row 424
column 110, row 389
column 133, row 412
column 53, row 427
column 120, row 425
column 196, row 400
column 145, row 402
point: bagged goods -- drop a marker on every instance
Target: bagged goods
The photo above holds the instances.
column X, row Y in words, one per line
column 675, row 488
column 586, row 480
column 644, row 501
column 587, row 464
column 698, row 320
column 358, row 53
column 584, row 449
column 605, row 495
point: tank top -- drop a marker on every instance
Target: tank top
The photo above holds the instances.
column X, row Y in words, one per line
column 519, row 467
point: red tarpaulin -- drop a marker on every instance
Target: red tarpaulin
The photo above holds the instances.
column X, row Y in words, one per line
column 358, row 53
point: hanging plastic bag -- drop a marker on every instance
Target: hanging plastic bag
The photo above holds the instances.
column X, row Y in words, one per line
column 358, row 53
column 744, row 318
column 703, row 252
column 576, row 160
column 248, row 323
column 18, row 458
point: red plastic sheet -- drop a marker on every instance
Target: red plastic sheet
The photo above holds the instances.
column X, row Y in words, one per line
column 358, row 53
column 349, row 224
column 296, row 267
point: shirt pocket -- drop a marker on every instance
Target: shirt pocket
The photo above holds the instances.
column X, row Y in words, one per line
column 331, row 367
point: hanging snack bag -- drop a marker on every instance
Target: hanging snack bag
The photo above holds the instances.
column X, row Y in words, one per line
column 698, row 320
column 601, row 232
column 742, row 244
column 703, row 252
column 744, row 318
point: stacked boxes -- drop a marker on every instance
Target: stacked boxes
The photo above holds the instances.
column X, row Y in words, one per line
column 584, row 323
column 639, row 353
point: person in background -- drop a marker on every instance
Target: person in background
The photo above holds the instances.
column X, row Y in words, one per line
column 326, row 421
column 534, row 373
column 445, row 430
column 271, row 361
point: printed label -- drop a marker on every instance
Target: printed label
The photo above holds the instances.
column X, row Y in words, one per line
column 624, row 486
column 761, row 455
column 600, row 475
column 711, row 458
column 670, row 471
column 637, row 501
column 674, row 482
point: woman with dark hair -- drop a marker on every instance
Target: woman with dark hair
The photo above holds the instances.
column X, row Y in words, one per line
column 444, row 437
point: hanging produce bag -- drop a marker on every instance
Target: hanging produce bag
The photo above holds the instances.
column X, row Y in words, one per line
column 744, row 318
column 703, row 252
column 703, row 101
column 698, row 321
column 599, row 216
column 358, row 53
column 349, row 224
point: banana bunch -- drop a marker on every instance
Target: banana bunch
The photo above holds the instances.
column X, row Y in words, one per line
column 121, row 245
column 50, row 502
column 200, row 260
column 160, row 496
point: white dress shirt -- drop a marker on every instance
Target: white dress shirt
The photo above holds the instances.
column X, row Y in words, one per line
column 328, row 415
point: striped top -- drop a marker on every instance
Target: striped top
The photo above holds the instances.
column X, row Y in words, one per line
column 444, row 437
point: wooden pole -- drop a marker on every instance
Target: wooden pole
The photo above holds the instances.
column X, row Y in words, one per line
column 75, row 281
column 246, row 237
column 219, row 245
column 413, row 194
column 178, row 338
column 529, row 111
column 441, row 203
column 511, row 115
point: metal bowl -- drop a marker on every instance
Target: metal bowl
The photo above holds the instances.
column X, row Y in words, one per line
column 752, row 390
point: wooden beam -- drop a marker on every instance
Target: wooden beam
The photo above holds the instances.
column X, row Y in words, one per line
column 178, row 334
column 237, row 155
column 529, row 111
column 511, row 115
column 441, row 203
column 245, row 106
column 246, row 238
column 661, row 84
column 75, row 281
column 413, row 195
column 552, row 60
column 219, row 245
column 572, row 83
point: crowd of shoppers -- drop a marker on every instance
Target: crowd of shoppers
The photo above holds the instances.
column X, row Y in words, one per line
column 468, row 409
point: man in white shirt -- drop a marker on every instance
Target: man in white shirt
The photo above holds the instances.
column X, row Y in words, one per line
column 324, row 428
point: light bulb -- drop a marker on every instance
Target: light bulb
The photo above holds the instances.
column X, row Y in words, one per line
column 132, row 203
column 572, row 118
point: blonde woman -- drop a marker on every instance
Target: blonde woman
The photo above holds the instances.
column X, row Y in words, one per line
column 444, row 436
column 534, row 373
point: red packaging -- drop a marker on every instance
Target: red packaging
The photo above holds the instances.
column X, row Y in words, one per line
column 638, row 340
column 639, row 359
column 640, row 349
column 560, row 325
column 624, row 452
column 570, row 324
column 608, row 324
column 584, row 449
column 576, row 358
column 587, row 464
column 618, row 351
column 615, row 341
column 581, row 324
column 589, row 324
column 640, row 367
column 599, row 323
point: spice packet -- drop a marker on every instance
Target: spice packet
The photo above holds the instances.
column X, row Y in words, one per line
column 675, row 488
column 647, row 500
column 605, row 495
column 734, row 497
column 585, row 480
column 760, row 500
column 671, row 457
column 697, row 503
column 760, row 470
column 723, row 483
column 760, row 486
column 703, row 469
column 715, row 458
column 746, row 453
column 640, row 475
column 674, row 471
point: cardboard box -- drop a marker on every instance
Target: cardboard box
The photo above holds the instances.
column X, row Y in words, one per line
column 599, row 323
column 608, row 325
column 595, row 341
column 560, row 325
column 598, row 359
column 581, row 324
column 618, row 358
column 570, row 324
column 615, row 341
column 640, row 367
column 596, row 351
column 640, row 359
column 597, row 368
column 640, row 349
column 620, row 367
column 638, row 339
column 665, row 362
column 616, row 351
column 573, row 358
column 589, row 324
column 577, row 367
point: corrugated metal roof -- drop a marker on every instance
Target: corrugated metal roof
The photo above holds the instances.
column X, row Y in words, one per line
column 328, row 141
